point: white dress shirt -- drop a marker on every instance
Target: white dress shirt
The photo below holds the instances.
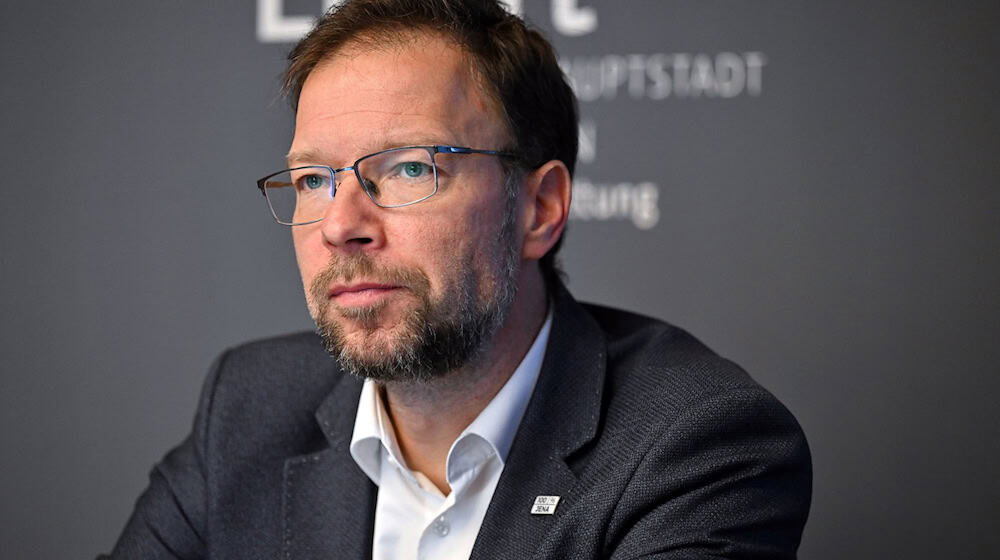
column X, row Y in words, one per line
column 413, row 519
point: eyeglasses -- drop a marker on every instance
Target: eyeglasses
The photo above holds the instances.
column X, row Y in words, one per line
column 392, row 178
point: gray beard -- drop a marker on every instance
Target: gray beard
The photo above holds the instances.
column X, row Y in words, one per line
column 439, row 336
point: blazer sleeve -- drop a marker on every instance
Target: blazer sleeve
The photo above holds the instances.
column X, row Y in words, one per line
column 731, row 478
column 169, row 520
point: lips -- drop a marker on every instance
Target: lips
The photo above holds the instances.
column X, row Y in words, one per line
column 361, row 293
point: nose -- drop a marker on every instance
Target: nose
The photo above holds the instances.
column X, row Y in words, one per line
column 352, row 221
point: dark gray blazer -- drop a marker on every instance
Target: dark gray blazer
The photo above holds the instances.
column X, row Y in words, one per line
column 658, row 448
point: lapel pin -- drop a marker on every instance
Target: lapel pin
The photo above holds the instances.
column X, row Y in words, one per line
column 544, row 505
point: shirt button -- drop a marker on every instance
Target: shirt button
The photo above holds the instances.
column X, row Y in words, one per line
column 441, row 527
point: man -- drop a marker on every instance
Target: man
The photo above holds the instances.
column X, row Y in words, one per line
column 473, row 409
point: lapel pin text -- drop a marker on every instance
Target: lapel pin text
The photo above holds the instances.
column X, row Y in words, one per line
column 544, row 505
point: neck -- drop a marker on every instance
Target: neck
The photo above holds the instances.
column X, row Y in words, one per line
column 428, row 417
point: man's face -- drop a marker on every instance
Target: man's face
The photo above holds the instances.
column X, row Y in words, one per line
column 405, row 293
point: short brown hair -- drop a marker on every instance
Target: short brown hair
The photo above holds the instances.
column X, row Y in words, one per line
column 516, row 66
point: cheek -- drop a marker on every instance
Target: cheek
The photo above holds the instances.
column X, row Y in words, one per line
column 473, row 244
column 440, row 245
column 308, row 255
column 485, row 225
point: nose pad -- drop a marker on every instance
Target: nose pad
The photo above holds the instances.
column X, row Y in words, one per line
column 339, row 178
column 350, row 218
column 366, row 186
column 336, row 181
column 334, row 185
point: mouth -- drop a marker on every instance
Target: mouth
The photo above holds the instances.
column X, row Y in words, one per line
column 361, row 294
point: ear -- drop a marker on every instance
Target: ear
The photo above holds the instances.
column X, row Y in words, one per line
column 547, row 191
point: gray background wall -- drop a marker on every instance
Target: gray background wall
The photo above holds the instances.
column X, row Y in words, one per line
column 830, row 222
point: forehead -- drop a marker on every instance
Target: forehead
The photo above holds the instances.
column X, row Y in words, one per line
column 416, row 88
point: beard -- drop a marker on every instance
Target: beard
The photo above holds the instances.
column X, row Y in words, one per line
column 436, row 337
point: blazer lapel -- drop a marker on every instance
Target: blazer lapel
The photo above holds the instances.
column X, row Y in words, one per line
column 328, row 502
column 561, row 417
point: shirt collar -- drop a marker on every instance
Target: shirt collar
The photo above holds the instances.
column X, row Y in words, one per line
column 496, row 424
column 372, row 430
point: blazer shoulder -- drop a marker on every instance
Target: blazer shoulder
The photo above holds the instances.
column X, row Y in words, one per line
column 274, row 357
column 304, row 341
column 660, row 379
column 280, row 379
column 653, row 361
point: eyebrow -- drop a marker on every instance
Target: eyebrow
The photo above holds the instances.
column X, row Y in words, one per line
column 302, row 156
column 310, row 155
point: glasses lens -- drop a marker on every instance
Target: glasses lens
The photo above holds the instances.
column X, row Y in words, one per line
column 299, row 196
column 398, row 177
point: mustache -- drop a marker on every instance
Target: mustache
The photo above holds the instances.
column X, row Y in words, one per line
column 346, row 268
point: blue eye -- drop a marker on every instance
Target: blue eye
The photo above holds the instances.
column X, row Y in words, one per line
column 312, row 182
column 414, row 169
